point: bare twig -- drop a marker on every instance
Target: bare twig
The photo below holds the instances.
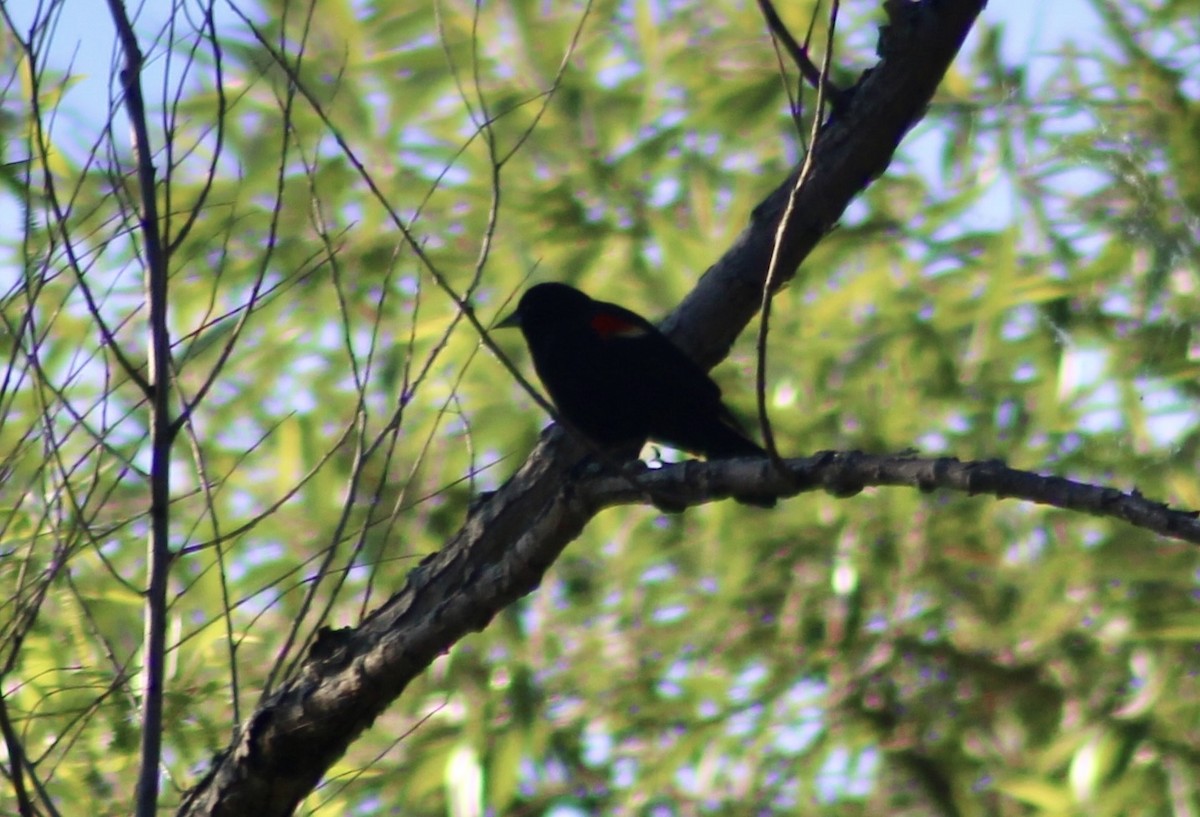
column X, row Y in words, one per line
column 461, row 302
column 818, row 79
column 193, row 214
column 771, row 282
column 509, row 541
column 16, row 759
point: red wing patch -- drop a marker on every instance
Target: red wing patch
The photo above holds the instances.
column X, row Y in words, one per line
column 608, row 325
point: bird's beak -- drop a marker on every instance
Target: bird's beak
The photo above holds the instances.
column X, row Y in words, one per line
column 513, row 321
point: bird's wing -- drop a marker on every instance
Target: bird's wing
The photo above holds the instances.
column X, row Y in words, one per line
column 611, row 321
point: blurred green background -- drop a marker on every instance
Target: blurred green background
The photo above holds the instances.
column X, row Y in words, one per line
column 1022, row 284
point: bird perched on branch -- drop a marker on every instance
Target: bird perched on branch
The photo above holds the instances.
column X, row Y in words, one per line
column 620, row 381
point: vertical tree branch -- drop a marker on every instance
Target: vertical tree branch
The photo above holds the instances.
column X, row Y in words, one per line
column 158, row 556
column 16, row 757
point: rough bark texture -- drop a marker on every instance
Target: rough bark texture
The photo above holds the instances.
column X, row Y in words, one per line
column 506, row 545
column 915, row 49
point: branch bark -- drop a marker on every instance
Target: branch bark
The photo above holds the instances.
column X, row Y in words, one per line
column 506, row 544
column 846, row 473
column 157, row 392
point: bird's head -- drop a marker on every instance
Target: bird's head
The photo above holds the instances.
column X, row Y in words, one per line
column 549, row 305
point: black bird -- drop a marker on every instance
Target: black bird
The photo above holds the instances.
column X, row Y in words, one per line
column 620, row 381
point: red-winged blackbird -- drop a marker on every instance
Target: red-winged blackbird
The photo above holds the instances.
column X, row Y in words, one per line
column 620, row 381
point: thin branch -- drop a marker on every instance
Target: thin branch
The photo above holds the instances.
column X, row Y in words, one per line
column 210, row 34
column 158, row 553
column 771, row 282
column 818, row 79
column 848, row 473
column 509, row 540
column 16, row 759
column 465, row 310
column 41, row 140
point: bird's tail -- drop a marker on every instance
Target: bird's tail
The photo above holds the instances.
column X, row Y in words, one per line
column 726, row 439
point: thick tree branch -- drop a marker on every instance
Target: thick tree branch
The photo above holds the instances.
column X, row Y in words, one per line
column 916, row 48
column 502, row 553
column 507, row 543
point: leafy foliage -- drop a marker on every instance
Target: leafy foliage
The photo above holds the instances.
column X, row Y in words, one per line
column 1021, row 284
